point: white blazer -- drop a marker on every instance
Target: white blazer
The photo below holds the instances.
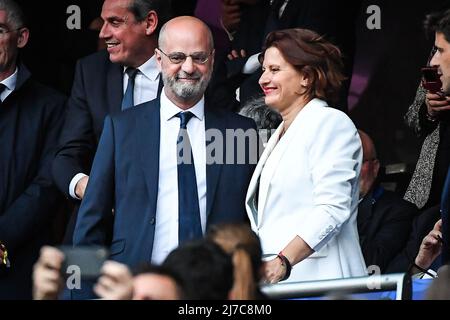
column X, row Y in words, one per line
column 308, row 186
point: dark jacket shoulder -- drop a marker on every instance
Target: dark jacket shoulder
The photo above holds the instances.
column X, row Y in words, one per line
column 393, row 199
column 97, row 59
column 38, row 94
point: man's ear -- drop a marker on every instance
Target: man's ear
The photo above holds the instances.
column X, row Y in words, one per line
column 376, row 167
column 22, row 39
column 151, row 22
column 158, row 59
column 213, row 56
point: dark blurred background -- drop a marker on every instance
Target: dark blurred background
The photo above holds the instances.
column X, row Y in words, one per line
column 386, row 69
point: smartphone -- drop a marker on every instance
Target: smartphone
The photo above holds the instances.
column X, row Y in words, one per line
column 431, row 80
column 88, row 261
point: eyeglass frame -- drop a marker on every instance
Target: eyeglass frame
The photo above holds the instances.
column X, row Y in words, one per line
column 186, row 56
column 7, row 30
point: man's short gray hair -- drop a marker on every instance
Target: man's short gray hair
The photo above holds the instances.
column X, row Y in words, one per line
column 15, row 14
column 141, row 8
column 264, row 116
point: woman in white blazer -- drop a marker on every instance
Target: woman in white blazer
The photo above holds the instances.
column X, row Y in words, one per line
column 303, row 197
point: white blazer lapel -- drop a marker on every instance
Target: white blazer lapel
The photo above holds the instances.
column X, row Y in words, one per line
column 254, row 182
column 270, row 165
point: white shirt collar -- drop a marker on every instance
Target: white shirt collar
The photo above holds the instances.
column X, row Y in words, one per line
column 10, row 82
column 170, row 110
column 149, row 69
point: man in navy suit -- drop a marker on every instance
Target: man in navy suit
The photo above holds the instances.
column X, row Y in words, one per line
column 136, row 170
column 130, row 31
column 31, row 117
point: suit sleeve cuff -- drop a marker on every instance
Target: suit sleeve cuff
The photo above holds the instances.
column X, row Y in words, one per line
column 73, row 184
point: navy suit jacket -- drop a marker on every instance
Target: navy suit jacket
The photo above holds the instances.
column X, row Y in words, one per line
column 384, row 225
column 125, row 175
column 97, row 91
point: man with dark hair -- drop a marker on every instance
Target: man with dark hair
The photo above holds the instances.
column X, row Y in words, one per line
column 148, row 282
column 204, row 269
column 441, row 60
column 108, row 82
column 429, row 116
column 157, row 283
column 31, row 116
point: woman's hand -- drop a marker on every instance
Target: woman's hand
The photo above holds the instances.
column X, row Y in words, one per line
column 274, row 271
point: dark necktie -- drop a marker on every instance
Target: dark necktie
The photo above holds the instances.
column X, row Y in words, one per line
column 128, row 99
column 273, row 20
column 189, row 224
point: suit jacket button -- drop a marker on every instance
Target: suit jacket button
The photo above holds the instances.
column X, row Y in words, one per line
column 152, row 220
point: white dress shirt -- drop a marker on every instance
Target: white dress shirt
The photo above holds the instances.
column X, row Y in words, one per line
column 10, row 85
column 145, row 89
column 146, row 82
column 166, row 229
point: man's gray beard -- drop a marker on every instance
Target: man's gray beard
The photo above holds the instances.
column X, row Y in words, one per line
column 186, row 90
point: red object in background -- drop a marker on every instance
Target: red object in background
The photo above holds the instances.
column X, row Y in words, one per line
column 431, row 80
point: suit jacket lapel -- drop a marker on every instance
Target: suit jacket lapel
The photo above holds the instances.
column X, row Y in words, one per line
column 148, row 135
column 254, row 187
column 160, row 85
column 270, row 171
column 212, row 121
column 276, row 156
column 114, row 88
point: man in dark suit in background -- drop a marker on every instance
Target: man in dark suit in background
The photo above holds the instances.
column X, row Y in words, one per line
column 31, row 116
column 384, row 218
column 106, row 82
column 326, row 17
column 160, row 198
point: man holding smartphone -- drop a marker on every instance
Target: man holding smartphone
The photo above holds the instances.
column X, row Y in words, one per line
column 429, row 116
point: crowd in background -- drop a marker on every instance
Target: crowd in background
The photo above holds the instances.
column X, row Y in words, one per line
column 123, row 161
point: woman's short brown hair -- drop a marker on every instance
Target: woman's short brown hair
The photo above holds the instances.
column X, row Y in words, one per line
column 312, row 55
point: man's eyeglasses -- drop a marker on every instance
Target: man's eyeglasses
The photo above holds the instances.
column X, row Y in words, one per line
column 180, row 57
column 4, row 31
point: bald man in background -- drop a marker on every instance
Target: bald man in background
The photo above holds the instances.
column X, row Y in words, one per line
column 384, row 218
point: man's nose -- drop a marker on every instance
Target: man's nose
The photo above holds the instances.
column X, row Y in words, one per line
column 188, row 65
column 434, row 62
column 104, row 31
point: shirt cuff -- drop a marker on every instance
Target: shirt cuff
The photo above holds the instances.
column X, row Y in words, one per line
column 251, row 65
column 229, row 34
column 73, row 184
